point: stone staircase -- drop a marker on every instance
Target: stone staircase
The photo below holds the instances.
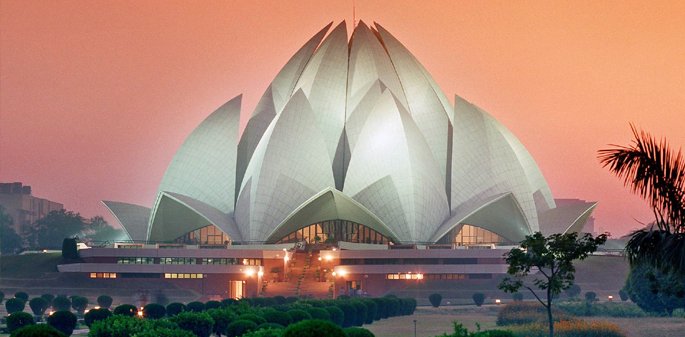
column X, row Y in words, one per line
column 306, row 280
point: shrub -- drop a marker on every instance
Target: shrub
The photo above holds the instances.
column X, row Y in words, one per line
column 268, row 325
column 623, row 295
column 61, row 303
column 318, row 313
column 13, row 305
column 298, row 315
column 48, row 298
column 392, row 306
column 38, row 306
column 358, row 332
column 154, row 311
column 175, row 308
column 408, row 305
column 381, row 308
column 19, row 320
column 517, row 297
column 265, row 332
column 275, row 316
column 478, row 298
column 199, row 323
column 240, row 327
column 590, row 296
column 2, row 296
column 525, row 313
column 279, row 299
column 435, row 300
column 22, row 296
column 313, row 328
column 573, row 291
column 337, row 315
column 118, row 326
column 104, row 301
column 228, row 302
column 195, row 306
column 79, row 303
column 126, row 310
column 609, row 309
column 37, row 330
column 166, row 332
column 361, row 312
column 222, row 318
column 212, row 305
column 253, row 317
column 95, row 315
column 571, row 329
column 63, row 321
column 350, row 315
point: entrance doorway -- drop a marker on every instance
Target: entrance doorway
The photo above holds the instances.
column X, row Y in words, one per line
column 236, row 289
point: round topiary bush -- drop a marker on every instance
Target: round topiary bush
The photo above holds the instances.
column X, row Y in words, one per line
column 299, row 315
column 79, row 303
column 313, row 328
column 318, row 313
column 239, row 327
column 361, row 311
column 358, row 332
column 268, row 325
column 175, row 308
column 591, row 296
column 275, row 316
column 48, row 298
column 13, row 305
column 573, row 291
column 38, row 306
column 19, row 320
column 337, row 315
column 38, row 330
column 222, row 318
column 435, row 300
column 126, row 310
column 212, row 305
column 22, row 296
column 104, row 301
column 95, row 315
column 623, row 294
column 195, row 306
column 392, row 306
column 199, row 323
column 349, row 314
column 61, row 303
column 478, row 299
column 253, row 317
column 154, row 311
column 63, row 321
column 265, row 332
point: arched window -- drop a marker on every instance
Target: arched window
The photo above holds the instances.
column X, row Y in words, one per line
column 334, row 231
column 208, row 235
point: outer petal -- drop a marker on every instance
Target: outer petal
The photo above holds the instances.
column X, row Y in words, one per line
column 132, row 218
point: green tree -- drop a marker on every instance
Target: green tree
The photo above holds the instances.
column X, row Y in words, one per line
column 63, row 321
column 654, row 290
column 549, row 260
column 10, row 241
column 97, row 229
column 656, row 173
column 38, row 305
column 48, row 232
column 37, row 330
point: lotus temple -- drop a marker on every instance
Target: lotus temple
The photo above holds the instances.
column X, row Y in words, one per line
column 354, row 175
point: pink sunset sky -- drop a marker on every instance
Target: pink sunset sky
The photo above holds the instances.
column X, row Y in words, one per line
column 96, row 96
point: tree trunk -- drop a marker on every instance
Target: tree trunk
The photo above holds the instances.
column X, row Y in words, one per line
column 549, row 313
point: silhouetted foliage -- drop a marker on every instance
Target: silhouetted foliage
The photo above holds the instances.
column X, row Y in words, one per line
column 175, row 308
column 95, row 315
column 195, row 306
column 19, row 320
column 22, row 296
column 69, row 249
column 126, row 310
column 199, row 323
column 61, row 303
column 573, row 291
column 79, row 303
column 37, row 330
column 38, row 306
column 313, row 328
column 104, row 301
column 154, row 311
column 478, row 299
column 50, row 231
column 240, row 327
column 13, row 305
column 63, row 321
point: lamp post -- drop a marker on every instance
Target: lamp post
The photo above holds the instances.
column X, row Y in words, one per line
column 414, row 328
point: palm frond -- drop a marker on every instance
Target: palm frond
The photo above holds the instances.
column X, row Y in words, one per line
column 650, row 169
column 662, row 249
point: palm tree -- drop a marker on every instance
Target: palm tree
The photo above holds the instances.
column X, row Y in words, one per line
column 655, row 172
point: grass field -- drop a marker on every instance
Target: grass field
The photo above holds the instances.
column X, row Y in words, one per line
column 435, row 321
column 30, row 266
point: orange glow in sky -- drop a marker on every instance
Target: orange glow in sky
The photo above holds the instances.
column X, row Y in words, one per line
column 96, row 96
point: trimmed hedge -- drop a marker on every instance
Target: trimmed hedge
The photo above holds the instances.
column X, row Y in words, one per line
column 313, row 328
column 275, row 316
column 13, row 305
column 478, row 299
column 126, row 310
column 61, row 303
column 95, row 315
column 435, row 300
column 175, row 308
column 253, row 317
column 299, row 315
column 199, row 323
column 38, row 330
column 337, row 315
column 240, row 327
column 358, row 332
column 154, row 311
column 195, row 306
column 104, row 301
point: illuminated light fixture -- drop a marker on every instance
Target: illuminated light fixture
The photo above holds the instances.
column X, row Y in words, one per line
column 244, row 261
column 419, row 276
column 342, row 273
column 334, row 274
column 86, row 311
column 140, row 313
column 286, row 258
column 96, row 307
column 50, row 313
column 319, row 258
column 260, row 273
column 328, row 257
column 611, row 298
column 498, row 301
column 249, row 272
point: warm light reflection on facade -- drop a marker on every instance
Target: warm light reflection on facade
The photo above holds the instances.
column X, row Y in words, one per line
column 336, row 230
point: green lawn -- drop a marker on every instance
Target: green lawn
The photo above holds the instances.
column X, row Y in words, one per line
column 29, row 266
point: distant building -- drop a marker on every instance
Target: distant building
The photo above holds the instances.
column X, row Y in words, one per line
column 23, row 207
